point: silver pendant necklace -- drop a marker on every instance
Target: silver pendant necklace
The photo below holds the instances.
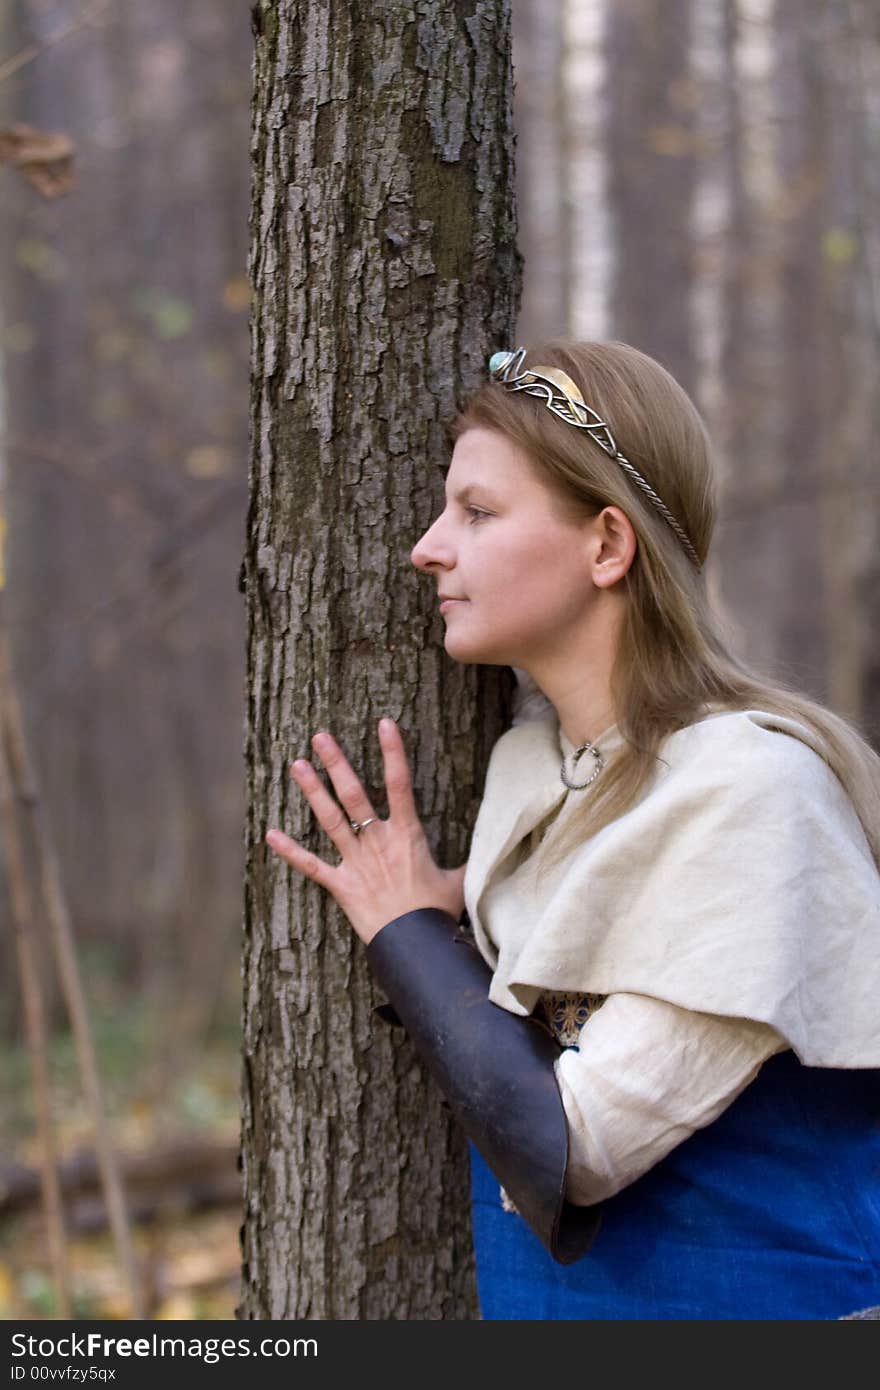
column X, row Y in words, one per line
column 600, row 763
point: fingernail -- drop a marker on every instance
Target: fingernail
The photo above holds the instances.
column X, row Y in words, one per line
column 386, row 725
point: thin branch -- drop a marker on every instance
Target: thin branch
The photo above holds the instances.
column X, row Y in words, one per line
column 33, row 50
column 68, row 969
column 34, row 1013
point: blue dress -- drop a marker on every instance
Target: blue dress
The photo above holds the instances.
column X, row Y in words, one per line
column 771, row 1212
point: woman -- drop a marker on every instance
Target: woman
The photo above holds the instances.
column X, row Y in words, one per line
column 663, row 1042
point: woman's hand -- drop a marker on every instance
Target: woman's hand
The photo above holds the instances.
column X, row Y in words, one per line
column 387, row 868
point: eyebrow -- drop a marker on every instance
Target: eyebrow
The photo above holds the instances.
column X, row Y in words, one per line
column 466, row 493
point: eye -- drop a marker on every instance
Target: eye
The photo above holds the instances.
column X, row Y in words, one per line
column 475, row 514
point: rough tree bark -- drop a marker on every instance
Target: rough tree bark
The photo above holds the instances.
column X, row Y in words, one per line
column 384, row 271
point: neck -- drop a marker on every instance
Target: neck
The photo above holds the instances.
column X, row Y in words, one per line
column 577, row 680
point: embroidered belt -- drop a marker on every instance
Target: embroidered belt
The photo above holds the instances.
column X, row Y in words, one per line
column 565, row 1014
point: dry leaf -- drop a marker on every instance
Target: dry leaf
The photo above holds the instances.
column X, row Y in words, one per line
column 44, row 158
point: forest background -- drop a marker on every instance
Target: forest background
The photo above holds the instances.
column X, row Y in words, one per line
column 697, row 177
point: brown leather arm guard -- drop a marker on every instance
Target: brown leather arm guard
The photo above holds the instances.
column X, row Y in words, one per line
column 494, row 1067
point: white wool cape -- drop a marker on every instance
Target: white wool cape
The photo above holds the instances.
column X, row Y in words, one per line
column 742, row 884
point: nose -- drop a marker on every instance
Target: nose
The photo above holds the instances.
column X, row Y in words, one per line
column 432, row 548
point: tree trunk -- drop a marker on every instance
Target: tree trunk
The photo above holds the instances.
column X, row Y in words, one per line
column 385, row 271
column 800, row 358
column 849, row 44
column 542, row 175
column 651, row 148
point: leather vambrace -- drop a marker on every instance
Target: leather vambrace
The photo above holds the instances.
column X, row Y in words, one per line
column 495, row 1069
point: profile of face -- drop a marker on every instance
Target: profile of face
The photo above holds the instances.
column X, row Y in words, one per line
column 517, row 575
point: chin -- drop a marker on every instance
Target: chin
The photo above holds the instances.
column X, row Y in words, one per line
column 472, row 654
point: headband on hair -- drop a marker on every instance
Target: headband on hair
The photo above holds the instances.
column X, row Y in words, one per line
column 563, row 398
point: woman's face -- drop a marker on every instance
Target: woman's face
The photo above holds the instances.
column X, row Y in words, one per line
column 518, row 572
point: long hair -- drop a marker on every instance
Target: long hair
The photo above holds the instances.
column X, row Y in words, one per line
column 673, row 658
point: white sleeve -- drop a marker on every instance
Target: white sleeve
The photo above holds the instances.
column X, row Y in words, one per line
column 646, row 1075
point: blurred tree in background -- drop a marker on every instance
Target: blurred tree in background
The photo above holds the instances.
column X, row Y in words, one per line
column 700, row 178
column 123, row 322
column 123, row 445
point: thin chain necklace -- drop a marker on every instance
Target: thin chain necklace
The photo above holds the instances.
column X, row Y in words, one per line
column 587, row 747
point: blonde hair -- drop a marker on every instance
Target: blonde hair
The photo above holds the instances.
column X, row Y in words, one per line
column 673, row 658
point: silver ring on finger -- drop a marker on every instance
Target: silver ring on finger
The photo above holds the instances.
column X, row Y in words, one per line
column 359, row 825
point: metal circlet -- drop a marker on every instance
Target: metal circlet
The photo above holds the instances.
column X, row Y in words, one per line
column 563, row 398
column 600, row 763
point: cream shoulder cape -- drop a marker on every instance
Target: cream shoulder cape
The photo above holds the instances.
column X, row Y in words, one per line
column 742, row 884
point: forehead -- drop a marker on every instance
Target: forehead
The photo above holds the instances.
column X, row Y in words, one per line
column 488, row 467
column 484, row 458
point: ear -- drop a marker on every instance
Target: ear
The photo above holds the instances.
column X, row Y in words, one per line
column 612, row 546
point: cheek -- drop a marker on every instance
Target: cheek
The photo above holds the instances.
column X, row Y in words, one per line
column 545, row 564
column 554, row 586
column 524, row 595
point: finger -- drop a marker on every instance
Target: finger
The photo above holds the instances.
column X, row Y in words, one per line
column 346, row 782
column 303, row 860
column 398, row 779
column 329, row 814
